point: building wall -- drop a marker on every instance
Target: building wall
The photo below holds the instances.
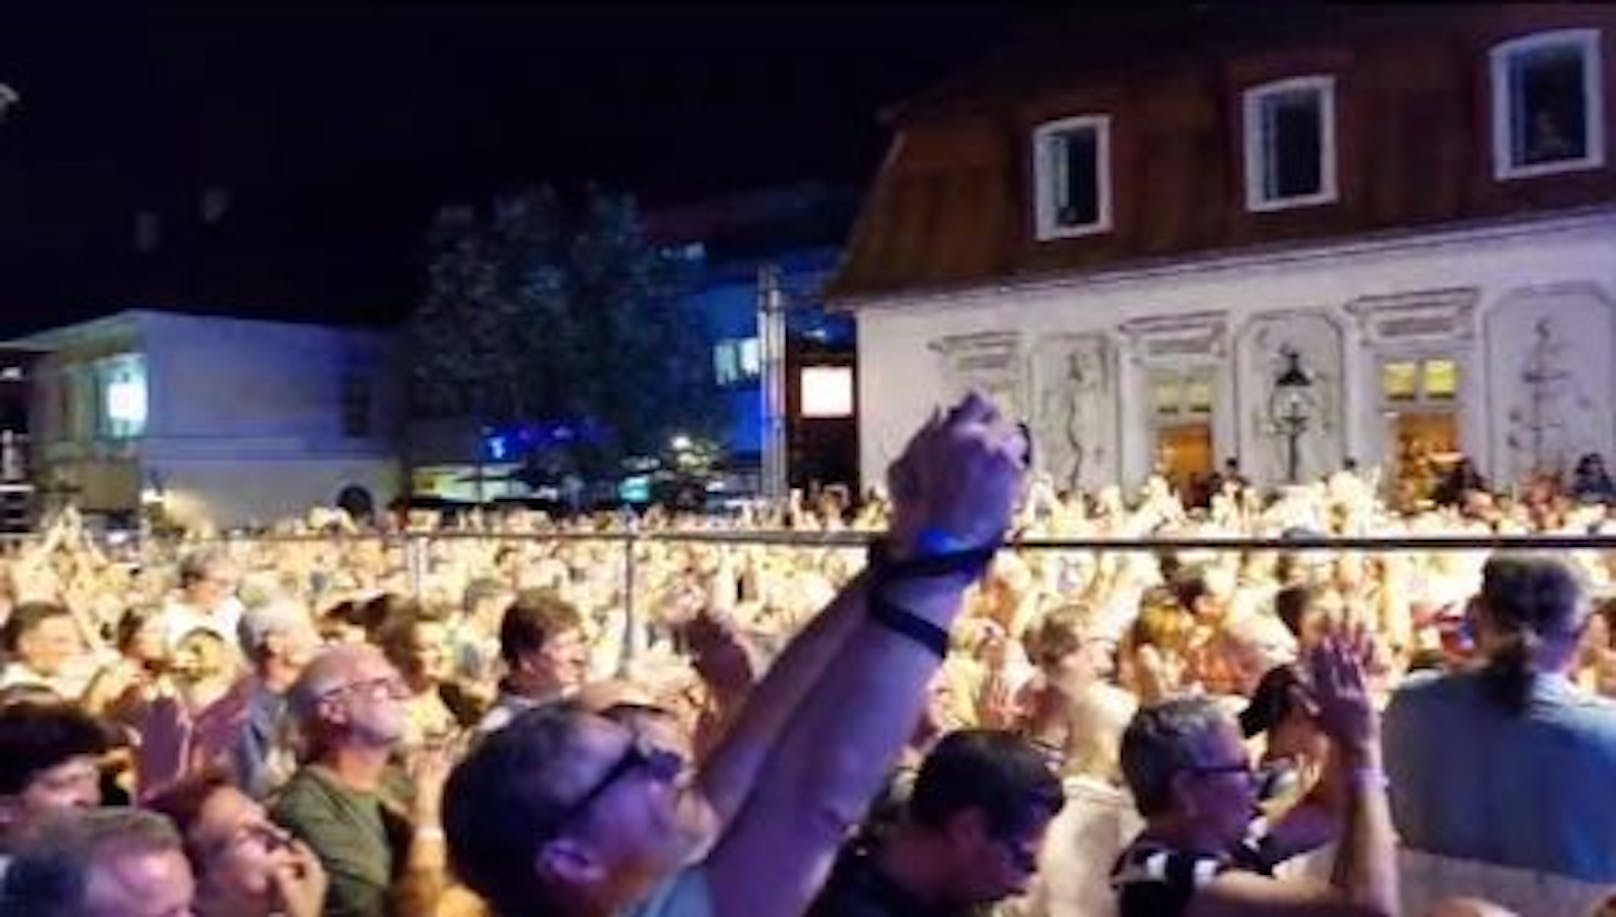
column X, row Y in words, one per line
column 239, row 492
column 243, row 417
column 1532, row 298
column 953, row 204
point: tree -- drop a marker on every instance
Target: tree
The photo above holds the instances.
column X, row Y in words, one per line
column 536, row 313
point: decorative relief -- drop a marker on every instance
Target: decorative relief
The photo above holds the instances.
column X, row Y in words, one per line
column 1171, row 338
column 1429, row 314
column 991, row 362
column 1075, row 418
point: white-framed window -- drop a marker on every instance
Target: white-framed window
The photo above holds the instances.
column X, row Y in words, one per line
column 1072, row 174
column 1290, row 143
column 1548, row 104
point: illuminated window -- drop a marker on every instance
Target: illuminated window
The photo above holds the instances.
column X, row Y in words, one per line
column 1441, row 380
column 1399, row 381
column 1164, row 394
column 827, row 392
column 750, row 358
column 1548, row 104
column 1290, row 143
column 1072, row 171
column 737, row 360
column 121, row 381
column 1198, row 394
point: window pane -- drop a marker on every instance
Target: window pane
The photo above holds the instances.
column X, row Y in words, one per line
column 123, row 395
column 1198, row 395
column 1164, row 395
column 1074, row 155
column 1397, row 381
column 749, row 358
column 1441, row 379
column 1547, row 108
column 1293, row 131
column 725, row 368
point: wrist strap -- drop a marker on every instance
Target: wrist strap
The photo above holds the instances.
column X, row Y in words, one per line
column 972, row 563
column 908, row 624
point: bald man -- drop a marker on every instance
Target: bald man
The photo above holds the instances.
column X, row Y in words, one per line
column 349, row 704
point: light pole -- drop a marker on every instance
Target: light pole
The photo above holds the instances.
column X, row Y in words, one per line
column 1290, row 408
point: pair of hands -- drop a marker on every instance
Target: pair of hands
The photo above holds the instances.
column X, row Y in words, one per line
column 961, row 474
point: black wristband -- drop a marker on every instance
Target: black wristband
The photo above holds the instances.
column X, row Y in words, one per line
column 972, row 563
column 908, row 624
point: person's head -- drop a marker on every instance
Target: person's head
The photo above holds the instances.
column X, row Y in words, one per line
column 1185, row 762
column 49, row 762
column 278, row 640
column 983, row 800
column 101, row 863
column 140, row 636
column 42, row 636
column 1204, row 590
column 349, row 696
column 564, row 810
column 417, row 646
column 233, row 847
column 203, row 654
column 384, row 609
column 207, row 578
column 1065, row 650
column 1300, row 608
column 1528, row 617
column 541, row 639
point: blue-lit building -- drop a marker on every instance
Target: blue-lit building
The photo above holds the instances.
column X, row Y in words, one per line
column 795, row 232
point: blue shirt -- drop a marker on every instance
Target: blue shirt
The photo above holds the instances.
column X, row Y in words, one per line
column 1533, row 791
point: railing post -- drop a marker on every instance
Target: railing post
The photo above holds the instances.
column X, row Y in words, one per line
column 414, row 563
column 631, row 625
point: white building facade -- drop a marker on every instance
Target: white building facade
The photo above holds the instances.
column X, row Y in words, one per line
column 1501, row 336
column 229, row 421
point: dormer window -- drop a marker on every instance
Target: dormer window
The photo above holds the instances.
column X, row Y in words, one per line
column 1290, row 143
column 1072, row 172
column 1548, row 104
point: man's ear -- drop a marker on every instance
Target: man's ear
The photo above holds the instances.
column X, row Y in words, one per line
column 569, row 861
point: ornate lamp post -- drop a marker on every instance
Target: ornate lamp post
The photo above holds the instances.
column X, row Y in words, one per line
column 1290, row 408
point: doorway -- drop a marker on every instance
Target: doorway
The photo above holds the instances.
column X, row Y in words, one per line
column 1184, row 454
column 1423, row 445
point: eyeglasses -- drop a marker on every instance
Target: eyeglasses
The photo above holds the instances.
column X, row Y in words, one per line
column 381, row 686
column 659, row 764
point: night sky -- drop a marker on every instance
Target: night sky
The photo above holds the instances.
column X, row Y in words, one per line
column 337, row 133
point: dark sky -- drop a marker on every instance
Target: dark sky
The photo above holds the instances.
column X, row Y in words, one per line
column 338, row 132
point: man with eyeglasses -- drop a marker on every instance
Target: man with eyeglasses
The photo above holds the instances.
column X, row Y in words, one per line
column 1186, row 764
column 970, row 834
column 566, row 812
column 378, row 836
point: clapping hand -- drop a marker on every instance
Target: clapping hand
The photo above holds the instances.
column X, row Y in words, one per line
column 299, row 881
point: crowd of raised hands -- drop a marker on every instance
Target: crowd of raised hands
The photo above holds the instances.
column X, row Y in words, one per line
column 284, row 713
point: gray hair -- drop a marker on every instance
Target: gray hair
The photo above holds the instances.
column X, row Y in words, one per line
column 278, row 616
column 194, row 566
column 50, row 875
column 1162, row 741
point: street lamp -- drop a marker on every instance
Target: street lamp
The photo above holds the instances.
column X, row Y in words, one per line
column 1290, row 408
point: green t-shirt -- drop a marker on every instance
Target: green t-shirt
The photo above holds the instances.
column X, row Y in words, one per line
column 361, row 842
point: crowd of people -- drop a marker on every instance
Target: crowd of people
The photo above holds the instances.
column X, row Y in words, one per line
column 509, row 719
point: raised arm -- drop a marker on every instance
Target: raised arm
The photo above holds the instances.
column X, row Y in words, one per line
column 954, row 487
